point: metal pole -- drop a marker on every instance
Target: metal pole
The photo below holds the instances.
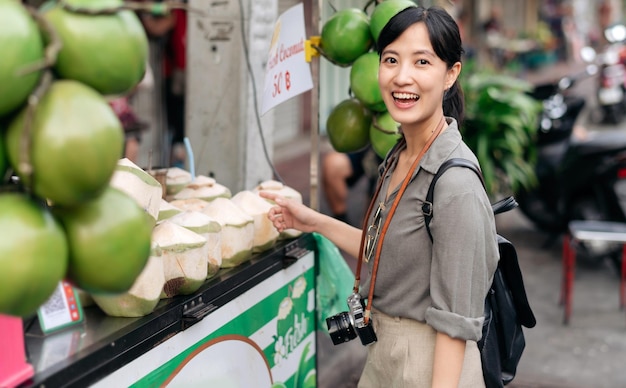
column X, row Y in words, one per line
column 315, row 138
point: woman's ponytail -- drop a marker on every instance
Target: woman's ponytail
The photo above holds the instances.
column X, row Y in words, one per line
column 454, row 103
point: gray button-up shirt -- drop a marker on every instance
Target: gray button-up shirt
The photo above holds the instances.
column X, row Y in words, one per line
column 443, row 283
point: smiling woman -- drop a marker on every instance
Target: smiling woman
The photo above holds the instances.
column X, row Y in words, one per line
column 427, row 312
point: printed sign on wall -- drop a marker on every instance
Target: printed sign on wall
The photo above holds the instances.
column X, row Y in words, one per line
column 288, row 74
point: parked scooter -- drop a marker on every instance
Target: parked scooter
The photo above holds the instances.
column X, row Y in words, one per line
column 611, row 93
column 581, row 175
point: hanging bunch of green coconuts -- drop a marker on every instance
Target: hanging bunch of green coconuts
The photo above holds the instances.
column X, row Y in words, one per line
column 348, row 40
column 59, row 146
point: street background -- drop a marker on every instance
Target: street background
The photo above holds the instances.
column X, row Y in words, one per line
column 587, row 353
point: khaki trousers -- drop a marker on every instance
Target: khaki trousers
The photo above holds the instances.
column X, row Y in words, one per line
column 403, row 356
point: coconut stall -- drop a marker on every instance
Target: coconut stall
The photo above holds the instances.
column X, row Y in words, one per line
column 115, row 272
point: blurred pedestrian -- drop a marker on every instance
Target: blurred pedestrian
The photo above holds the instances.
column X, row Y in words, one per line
column 132, row 124
column 341, row 172
column 171, row 29
column 495, row 37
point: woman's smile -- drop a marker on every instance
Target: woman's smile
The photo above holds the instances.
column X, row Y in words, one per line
column 404, row 99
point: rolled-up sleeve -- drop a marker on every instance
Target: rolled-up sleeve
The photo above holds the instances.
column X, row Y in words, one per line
column 464, row 257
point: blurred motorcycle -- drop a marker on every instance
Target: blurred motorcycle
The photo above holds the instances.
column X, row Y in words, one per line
column 581, row 175
column 611, row 93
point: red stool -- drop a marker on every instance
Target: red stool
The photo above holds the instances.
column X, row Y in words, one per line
column 579, row 231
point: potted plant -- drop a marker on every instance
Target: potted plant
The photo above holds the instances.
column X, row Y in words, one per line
column 500, row 126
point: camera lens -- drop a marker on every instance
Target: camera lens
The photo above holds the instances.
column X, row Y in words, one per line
column 340, row 328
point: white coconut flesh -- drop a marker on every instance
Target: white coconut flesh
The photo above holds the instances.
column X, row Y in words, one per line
column 265, row 234
column 176, row 179
column 142, row 298
column 201, row 181
column 237, row 231
column 269, row 185
column 141, row 186
column 167, row 210
column 277, row 187
column 196, row 204
column 184, row 258
column 208, row 228
column 206, row 193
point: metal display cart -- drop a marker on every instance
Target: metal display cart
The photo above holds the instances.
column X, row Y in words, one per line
column 252, row 323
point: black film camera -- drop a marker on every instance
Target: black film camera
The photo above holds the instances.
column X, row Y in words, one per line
column 345, row 326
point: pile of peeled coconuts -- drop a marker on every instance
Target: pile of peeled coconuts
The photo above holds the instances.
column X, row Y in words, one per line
column 71, row 207
column 348, row 39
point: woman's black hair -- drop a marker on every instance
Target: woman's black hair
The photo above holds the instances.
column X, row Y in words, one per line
column 446, row 41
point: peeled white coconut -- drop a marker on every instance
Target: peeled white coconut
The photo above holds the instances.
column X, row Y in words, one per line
column 201, row 181
column 208, row 228
column 167, row 210
column 142, row 298
column 285, row 191
column 184, row 258
column 141, row 186
column 195, row 204
column 265, row 234
column 176, row 179
column 204, row 188
column 237, row 231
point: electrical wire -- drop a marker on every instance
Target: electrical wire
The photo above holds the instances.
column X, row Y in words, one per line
column 254, row 92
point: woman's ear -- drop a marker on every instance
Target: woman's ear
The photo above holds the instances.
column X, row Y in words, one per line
column 453, row 74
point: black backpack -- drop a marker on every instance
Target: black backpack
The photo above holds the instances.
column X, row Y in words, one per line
column 506, row 304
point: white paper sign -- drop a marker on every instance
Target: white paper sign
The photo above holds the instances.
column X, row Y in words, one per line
column 288, row 73
column 61, row 310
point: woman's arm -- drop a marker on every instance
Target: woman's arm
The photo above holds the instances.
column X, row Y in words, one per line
column 288, row 214
column 448, row 361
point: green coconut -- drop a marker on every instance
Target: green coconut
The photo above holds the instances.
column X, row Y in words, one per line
column 265, row 234
column 33, row 254
column 143, row 296
column 136, row 182
column 184, row 258
column 76, row 141
column 208, row 228
column 237, row 231
column 108, row 52
column 21, row 45
column 346, row 36
column 364, row 81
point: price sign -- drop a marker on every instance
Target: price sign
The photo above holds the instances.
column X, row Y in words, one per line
column 288, row 74
column 61, row 309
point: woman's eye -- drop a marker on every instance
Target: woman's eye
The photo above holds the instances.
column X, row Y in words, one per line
column 390, row 60
column 422, row 62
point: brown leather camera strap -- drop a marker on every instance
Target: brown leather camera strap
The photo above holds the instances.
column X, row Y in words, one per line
column 383, row 230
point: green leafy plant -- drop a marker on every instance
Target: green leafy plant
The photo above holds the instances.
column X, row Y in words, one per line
column 500, row 126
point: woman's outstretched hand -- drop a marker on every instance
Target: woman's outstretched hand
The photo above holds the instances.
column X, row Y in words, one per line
column 290, row 214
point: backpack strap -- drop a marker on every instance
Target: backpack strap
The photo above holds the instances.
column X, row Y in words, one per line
column 498, row 207
column 427, row 207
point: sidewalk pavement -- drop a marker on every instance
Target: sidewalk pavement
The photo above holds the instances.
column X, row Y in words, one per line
column 588, row 353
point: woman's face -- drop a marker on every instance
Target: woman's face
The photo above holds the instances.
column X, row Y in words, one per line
column 412, row 78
